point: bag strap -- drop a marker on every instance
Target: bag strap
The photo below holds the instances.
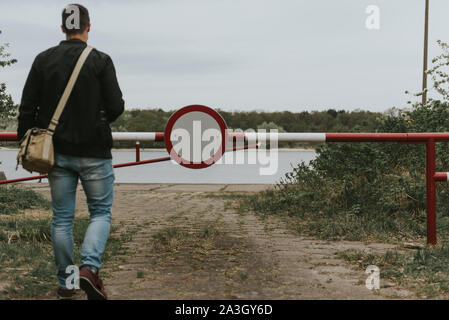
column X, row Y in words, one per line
column 68, row 89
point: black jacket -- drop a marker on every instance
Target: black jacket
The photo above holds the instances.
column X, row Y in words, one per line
column 95, row 102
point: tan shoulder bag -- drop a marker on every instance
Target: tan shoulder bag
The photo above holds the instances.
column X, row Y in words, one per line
column 36, row 147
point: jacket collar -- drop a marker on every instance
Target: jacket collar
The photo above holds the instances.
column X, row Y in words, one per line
column 73, row 41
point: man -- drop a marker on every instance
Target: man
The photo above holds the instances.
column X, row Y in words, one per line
column 82, row 144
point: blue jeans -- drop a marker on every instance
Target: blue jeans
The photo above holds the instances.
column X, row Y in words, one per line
column 97, row 178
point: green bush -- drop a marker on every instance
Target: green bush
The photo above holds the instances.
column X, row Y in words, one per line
column 358, row 191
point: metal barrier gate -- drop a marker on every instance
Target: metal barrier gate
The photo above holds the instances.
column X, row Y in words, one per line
column 428, row 139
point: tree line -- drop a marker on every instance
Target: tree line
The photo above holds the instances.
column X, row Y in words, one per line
column 331, row 120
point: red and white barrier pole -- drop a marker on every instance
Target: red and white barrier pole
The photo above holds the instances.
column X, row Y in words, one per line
column 428, row 138
column 284, row 136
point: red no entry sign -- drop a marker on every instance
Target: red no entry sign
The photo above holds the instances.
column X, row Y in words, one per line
column 195, row 136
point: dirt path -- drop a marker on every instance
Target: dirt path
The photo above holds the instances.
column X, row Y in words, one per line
column 191, row 243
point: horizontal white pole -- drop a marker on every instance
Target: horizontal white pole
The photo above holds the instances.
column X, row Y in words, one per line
column 250, row 136
column 133, row 136
column 286, row 136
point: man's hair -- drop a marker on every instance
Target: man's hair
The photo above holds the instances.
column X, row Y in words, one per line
column 84, row 20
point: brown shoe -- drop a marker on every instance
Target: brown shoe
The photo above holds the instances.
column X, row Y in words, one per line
column 65, row 294
column 92, row 284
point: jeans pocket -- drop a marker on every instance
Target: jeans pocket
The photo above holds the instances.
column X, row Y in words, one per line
column 96, row 169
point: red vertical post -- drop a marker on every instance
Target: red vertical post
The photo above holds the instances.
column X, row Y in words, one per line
column 137, row 151
column 430, row 192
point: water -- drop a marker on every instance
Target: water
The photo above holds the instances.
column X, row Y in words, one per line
column 169, row 172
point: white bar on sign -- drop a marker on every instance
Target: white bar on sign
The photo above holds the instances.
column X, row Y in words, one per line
column 287, row 136
column 133, row 136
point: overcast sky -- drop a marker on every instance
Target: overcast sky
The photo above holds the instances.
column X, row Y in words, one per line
column 242, row 54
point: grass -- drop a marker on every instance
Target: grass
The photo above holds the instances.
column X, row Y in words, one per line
column 172, row 239
column 231, row 195
column 243, row 276
column 424, row 271
column 26, row 252
column 13, row 199
column 292, row 205
column 173, row 243
column 169, row 239
column 26, row 255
